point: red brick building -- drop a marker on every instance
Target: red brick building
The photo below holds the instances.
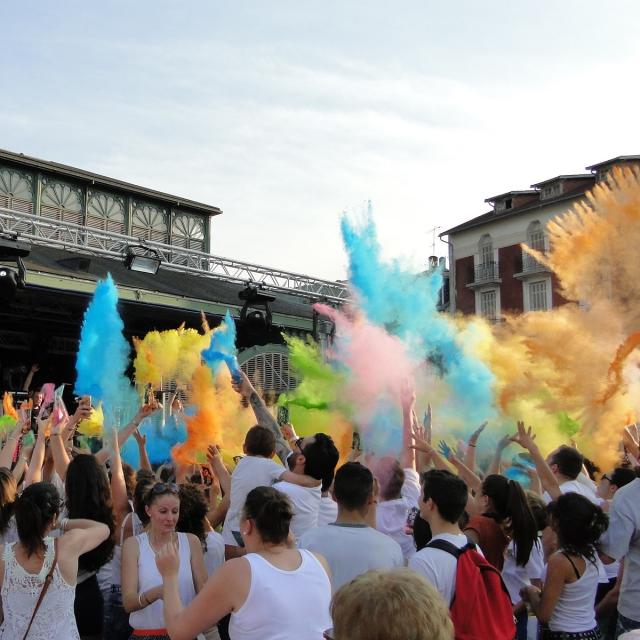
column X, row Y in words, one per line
column 489, row 272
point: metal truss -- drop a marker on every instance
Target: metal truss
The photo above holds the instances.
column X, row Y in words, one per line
column 50, row 232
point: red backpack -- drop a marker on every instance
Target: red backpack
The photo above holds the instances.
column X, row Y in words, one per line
column 481, row 607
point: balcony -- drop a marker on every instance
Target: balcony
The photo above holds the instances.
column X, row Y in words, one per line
column 530, row 267
column 485, row 273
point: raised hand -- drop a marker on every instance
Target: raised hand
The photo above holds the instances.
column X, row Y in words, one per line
column 420, row 443
column 407, row 394
column 473, row 440
column 241, row 384
column 288, row 432
column 445, row 450
column 168, row 560
column 140, row 438
column 524, row 437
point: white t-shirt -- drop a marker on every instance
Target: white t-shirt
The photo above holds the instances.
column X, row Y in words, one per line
column 251, row 472
column 351, row 550
column 516, row 577
column 328, row 511
column 306, row 505
column 574, row 486
column 391, row 519
column 439, row 567
column 214, row 555
column 622, row 539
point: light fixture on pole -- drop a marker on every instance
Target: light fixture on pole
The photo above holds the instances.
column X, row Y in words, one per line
column 142, row 259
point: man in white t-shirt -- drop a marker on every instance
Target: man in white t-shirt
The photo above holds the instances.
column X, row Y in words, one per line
column 350, row 546
column 317, row 458
column 442, row 505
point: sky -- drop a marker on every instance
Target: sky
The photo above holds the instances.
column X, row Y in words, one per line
column 286, row 113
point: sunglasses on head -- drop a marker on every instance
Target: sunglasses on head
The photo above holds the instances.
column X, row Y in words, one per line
column 165, row 487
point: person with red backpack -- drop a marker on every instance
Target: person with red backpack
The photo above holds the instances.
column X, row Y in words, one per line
column 479, row 602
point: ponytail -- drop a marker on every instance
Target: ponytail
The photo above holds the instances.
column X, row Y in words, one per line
column 511, row 508
column 523, row 525
column 35, row 510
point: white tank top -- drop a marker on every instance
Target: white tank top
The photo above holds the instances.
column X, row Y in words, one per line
column 574, row 610
column 284, row 604
column 152, row 617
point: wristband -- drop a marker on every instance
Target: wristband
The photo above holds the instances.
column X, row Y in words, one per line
column 472, row 445
column 64, row 523
column 142, row 606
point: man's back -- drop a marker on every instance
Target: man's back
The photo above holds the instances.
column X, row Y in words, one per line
column 351, row 550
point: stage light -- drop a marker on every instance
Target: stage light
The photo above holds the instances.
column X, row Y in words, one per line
column 142, row 260
column 10, row 282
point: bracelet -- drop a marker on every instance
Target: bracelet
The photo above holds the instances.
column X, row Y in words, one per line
column 64, row 523
column 472, row 445
column 142, row 606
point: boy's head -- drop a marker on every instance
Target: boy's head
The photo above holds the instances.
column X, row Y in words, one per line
column 444, row 495
column 566, row 461
column 260, row 441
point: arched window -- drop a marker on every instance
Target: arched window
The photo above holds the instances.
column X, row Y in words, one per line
column 535, row 236
column 16, row 190
column 150, row 222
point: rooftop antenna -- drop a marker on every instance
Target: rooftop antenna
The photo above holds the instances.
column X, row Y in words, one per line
column 432, row 231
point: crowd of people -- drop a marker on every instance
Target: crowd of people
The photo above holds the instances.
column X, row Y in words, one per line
column 433, row 544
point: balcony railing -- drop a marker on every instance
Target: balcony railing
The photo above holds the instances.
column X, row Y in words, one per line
column 486, row 272
column 531, row 265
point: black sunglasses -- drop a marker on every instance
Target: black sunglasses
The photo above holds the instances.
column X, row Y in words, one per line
column 298, row 444
column 605, row 477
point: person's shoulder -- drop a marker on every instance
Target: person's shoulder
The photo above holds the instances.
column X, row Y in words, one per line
column 315, row 535
column 629, row 492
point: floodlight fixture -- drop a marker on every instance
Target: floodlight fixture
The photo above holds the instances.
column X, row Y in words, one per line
column 142, row 259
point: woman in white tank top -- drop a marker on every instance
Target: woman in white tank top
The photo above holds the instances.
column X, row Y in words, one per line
column 25, row 565
column 565, row 606
column 141, row 581
column 275, row 591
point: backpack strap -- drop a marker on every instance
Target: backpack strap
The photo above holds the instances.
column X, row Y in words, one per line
column 45, row 586
column 448, row 547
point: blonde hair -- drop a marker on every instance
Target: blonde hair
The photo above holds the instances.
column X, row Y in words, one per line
column 390, row 605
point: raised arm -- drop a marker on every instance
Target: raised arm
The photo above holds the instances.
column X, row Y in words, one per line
column 219, row 469
column 6, row 455
column 470, row 454
column 225, row 591
column 408, row 401
column 82, row 535
column 29, row 379
column 141, row 441
column 496, row 462
column 243, row 386
column 118, row 485
column 526, row 439
column 58, row 451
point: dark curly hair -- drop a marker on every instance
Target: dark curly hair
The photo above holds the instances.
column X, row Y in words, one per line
column 579, row 524
column 193, row 511
column 88, row 495
column 35, row 510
